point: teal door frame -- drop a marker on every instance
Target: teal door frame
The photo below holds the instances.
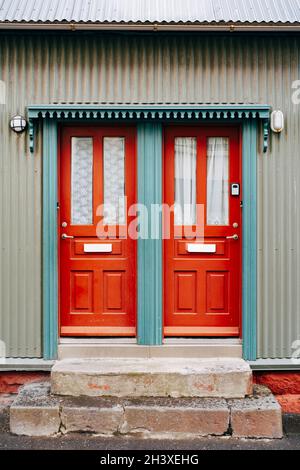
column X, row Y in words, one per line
column 149, row 285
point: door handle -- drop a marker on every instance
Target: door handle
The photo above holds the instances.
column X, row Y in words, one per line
column 65, row 236
column 233, row 237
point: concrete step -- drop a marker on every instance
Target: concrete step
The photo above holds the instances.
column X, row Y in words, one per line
column 202, row 348
column 172, row 377
column 36, row 412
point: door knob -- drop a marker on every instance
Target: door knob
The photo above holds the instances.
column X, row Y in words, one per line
column 233, row 237
column 65, row 236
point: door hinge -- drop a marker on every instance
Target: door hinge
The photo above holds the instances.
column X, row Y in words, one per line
column 241, row 205
column 57, row 206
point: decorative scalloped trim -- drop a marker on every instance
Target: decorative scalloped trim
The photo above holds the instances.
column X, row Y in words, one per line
column 173, row 113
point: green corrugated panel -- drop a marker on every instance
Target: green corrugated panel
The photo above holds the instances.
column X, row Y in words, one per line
column 138, row 69
column 149, row 248
column 249, row 282
column 50, row 259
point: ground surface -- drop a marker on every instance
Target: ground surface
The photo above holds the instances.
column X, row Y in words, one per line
column 86, row 442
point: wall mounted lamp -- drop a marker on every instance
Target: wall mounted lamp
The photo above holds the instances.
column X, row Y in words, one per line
column 277, row 121
column 18, row 124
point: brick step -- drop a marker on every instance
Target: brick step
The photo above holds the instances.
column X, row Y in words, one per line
column 153, row 377
column 35, row 412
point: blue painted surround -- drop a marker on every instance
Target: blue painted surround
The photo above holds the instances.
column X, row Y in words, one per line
column 149, row 320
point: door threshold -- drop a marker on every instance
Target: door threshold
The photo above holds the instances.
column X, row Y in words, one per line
column 71, row 348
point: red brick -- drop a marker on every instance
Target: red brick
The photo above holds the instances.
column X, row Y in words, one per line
column 10, row 382
column 280, row 383
column 289, row 403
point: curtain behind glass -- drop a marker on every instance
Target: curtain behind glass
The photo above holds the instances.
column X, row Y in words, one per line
column 217, row 181
column 114, row 180
column 185, row 180
column 82, row 181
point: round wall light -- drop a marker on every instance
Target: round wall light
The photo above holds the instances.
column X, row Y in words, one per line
column 277, row 121
column 18, row 124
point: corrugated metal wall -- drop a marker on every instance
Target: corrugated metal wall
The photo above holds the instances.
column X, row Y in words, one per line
column 150, row 69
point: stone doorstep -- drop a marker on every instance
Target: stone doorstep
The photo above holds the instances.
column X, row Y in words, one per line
column 36, row 412
column 167, row 377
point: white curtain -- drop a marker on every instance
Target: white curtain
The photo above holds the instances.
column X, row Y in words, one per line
column 82, row 181
column 185, row 180
column 114, row 180
column 217, row 181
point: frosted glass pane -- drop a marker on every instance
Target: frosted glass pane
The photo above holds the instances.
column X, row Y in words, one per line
column 82, row 181
column 185, row 180
column 217, row 181
column 114, row 180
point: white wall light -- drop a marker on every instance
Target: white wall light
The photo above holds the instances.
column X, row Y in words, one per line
column 277, row 121
column 18, row 124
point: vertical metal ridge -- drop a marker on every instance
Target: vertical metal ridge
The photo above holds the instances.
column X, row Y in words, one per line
column 149, row 250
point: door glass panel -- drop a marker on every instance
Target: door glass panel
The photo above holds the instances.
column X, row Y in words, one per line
column 114, row 180
column 185, row 180
column 217, row 181
column 82, row 181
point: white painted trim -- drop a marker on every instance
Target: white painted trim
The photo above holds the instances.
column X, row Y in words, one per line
column 40, row 365
column 25, row 364
column 274, row 364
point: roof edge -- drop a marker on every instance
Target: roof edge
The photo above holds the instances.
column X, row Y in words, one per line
column 148, row 26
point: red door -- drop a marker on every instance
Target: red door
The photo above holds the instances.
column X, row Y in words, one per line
column 202, row 256
column 97, row 260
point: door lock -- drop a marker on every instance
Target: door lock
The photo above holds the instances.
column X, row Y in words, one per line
column 233, row 237
column 65, row 236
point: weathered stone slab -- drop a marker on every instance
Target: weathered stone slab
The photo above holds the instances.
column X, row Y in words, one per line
column 35, row 412
column 177, row 417
column 218, row 378
column 256, row 417
column 100, row 416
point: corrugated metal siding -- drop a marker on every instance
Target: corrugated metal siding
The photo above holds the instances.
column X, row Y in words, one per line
column 20, row 214
column 171, row 11
column 151, row 69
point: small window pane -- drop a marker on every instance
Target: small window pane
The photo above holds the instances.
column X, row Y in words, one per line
column 185, row 180
column 217, row 181
column 114, row 180
column 82, row 181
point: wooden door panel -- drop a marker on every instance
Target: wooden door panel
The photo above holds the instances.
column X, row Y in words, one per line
column 97, row 272
column 217, row 292
column 202, row 281
column 114, row 293
column 82, row 284
column 185, row 291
